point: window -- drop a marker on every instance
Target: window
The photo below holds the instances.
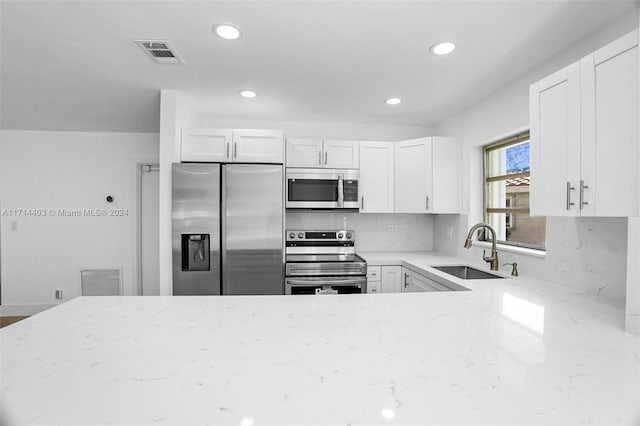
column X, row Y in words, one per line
column 506, row 194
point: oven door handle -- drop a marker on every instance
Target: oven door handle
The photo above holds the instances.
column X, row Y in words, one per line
column 330, row 281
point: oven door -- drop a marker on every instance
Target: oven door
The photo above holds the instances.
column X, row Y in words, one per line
column 325, row 269
column 325, row 285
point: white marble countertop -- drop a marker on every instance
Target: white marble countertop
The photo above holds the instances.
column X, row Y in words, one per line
column 510, row 352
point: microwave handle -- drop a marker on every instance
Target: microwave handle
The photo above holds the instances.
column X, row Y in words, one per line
column 340, row 191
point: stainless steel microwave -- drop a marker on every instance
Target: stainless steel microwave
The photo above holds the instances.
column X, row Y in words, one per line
column 322, row 189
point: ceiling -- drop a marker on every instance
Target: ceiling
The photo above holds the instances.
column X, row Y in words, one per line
column 73, row 65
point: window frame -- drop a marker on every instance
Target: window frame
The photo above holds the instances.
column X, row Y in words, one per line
column 514, row 139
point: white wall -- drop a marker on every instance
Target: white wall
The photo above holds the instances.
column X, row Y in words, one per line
column 413, row 231
column 632, row 320
column 586, row 254
column 66, row 170
column 321, row 130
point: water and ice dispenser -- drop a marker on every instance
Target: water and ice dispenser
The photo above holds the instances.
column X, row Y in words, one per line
column 195, row 252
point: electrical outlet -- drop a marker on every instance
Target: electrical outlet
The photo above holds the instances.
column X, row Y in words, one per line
column 59, row 294
column 450, row 232
column 392, row 229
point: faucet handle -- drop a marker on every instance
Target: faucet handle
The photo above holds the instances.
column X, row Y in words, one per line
column 514, row 269
column 485, row 258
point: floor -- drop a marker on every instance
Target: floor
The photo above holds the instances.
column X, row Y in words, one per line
column 5, row 321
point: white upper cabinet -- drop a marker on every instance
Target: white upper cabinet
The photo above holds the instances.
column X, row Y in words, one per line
column 330, row 154
column 609, row 155
column 229, row 146
column 304, row 153
column 258, row 146
column 412, row 177
column 446, row 176
column 428, row 176
column 205, row 145
column 555, row 143
column 376, row 184
column 584, row 135
column 341, row 154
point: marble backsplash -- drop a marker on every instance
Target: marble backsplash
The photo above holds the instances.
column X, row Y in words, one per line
column 588, row 254
column 374, row 231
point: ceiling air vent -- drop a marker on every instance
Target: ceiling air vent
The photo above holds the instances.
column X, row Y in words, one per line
column 160, row 51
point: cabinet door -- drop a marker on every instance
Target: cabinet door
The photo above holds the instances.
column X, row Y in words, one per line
column 341, row 154
column 413, row 284
column 304, row 153
column 555, row 143
column 446, row 192
column 258, row 146
column 427, row 283
column 206, row 145
column 411, row 175
column 391, row 279
column 376, row 177
column 609, row 155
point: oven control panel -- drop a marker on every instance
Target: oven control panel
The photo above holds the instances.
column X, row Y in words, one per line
column 342, row 235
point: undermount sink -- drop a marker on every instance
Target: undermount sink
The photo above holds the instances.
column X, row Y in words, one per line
column 466, row 272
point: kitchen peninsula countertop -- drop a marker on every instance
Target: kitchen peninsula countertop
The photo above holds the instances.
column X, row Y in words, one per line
column 509, row 352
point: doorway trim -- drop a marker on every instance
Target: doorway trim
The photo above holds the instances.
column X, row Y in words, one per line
column 141, row 169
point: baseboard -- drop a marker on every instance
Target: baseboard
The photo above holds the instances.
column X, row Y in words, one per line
column 632, row 324
column 22, row 310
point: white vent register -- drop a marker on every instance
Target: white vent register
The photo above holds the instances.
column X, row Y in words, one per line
column 101, row 282
column 160, row 51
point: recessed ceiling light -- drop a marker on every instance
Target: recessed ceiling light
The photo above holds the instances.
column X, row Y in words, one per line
column 443, row 48
column 227, row 32
column 393, row 101
column 248, row 93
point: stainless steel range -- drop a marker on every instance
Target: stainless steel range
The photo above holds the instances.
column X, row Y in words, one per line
column 323, row 262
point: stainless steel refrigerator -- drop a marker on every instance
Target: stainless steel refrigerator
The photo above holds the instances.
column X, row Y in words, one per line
column 227, row 229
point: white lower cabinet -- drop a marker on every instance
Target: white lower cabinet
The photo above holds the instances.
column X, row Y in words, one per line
column 384, row 279
column 391, row 279
column 373, row 287
column 413, row 282
column 373, row 279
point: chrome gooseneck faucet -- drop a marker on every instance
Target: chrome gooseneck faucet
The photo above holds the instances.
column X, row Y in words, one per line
column 493, row 259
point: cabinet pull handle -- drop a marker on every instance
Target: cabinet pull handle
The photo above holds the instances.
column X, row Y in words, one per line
column 362, row 202
column 406, row 278
column 227, row 149
column 326, row 156
column 569, row 189
column 582, row 188
column 427, row 203
column 319, row 158
column 235, row 150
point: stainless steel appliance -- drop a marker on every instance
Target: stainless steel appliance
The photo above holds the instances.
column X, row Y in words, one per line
column 322, row 189
column 227, row 229
column 320, row 262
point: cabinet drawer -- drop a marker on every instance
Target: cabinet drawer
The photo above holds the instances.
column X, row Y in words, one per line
column 373, row 273
column 373, row 287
